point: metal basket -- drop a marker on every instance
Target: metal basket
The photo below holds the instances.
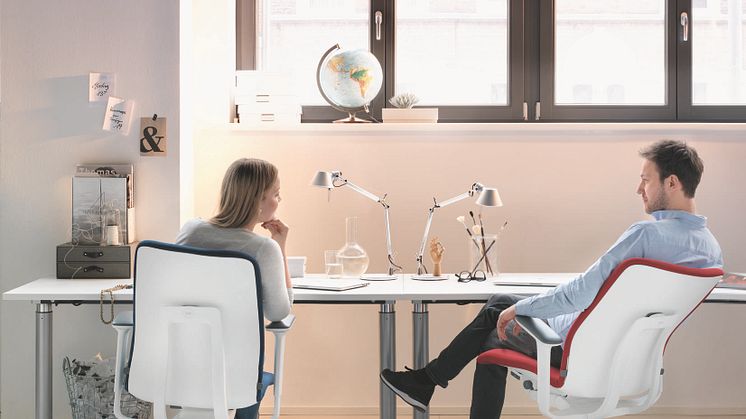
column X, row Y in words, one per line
column 92, row 396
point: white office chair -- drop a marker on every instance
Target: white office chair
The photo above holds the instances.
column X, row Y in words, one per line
column 612, row 361
column 198, row 333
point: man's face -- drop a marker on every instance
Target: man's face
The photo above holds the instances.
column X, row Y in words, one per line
column 652, row 190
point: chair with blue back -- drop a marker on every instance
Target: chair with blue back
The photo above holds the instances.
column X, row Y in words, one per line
column 196, row 337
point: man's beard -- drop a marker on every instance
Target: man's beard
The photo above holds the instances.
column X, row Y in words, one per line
column 659, row 203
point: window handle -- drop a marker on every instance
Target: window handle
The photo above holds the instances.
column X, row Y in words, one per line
column 684, row 27
column 379, row 20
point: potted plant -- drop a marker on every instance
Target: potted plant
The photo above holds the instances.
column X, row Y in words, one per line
column 404, row 111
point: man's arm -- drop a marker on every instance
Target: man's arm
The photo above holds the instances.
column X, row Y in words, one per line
column 579, row 293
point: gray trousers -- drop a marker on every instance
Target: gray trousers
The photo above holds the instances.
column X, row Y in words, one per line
column 488, row 387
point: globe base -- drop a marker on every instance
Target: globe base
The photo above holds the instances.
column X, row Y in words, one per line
column 352, row 118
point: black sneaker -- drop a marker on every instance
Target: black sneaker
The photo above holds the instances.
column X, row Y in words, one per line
column 414, row 387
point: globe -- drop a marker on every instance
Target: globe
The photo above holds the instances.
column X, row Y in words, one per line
column 349, row 79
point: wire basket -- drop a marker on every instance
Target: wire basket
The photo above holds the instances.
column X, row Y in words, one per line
column 92, row 395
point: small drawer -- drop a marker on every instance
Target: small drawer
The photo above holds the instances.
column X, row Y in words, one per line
column 89, row 270
column 92, row 254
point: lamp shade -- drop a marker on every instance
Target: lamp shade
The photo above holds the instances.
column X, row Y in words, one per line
column 489, row 197
column 323, row 180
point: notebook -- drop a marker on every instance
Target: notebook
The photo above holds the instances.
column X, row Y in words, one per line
column 328, row 284
column 733, row 280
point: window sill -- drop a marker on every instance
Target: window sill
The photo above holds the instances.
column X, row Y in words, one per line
column 736, row 131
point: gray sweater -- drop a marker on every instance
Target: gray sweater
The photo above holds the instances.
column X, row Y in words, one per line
column 276, row 297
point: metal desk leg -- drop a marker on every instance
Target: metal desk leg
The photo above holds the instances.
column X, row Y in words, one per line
column 420, row 344
column 387, row 340
column 43, row 361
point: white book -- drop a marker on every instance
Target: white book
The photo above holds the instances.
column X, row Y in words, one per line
column 328, row 284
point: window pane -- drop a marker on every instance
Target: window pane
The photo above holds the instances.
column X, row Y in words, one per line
column 292, row 35
column 453, row 52
column 610, row 52
column 719, row 52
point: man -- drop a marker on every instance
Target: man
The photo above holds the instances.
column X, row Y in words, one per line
column 671, row 171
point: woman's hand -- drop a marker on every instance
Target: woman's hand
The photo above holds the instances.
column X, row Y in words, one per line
column 279, row 231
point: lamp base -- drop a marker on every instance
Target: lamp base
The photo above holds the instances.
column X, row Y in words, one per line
column 378, row 277
column 430, row 277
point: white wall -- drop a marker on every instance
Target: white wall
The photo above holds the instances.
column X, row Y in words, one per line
column 48, row 49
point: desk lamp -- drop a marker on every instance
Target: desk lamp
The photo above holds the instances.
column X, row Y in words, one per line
column 330, row 180
column 488, row 197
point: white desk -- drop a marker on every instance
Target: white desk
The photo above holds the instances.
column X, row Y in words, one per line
column 48, row 291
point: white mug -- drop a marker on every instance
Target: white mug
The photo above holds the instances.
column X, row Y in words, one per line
column 112, row 235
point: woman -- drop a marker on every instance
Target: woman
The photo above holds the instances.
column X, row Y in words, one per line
column 249, row 196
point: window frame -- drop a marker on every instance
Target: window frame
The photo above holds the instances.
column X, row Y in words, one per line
column 531, row 33
column 687, row 111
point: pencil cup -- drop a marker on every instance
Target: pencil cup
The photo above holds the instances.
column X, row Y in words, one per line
column 483, row 254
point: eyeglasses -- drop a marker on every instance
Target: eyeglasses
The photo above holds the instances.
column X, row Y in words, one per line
column 466, row 276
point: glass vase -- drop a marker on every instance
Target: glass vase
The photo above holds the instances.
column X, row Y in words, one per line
column 353, row 257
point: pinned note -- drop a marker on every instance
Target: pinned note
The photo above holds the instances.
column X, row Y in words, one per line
column 118, row 117
column 100, row 86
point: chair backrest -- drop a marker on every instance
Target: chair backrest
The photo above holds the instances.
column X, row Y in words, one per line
column 168, row 275
column 636, row 288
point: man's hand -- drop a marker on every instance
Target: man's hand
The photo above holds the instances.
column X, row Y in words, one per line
column 502, row 323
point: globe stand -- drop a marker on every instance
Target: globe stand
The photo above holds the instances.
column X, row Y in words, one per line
column 352, row 118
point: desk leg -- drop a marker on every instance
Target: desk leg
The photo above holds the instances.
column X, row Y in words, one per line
column 43, row 361
column 420, row 344
column 387, row 339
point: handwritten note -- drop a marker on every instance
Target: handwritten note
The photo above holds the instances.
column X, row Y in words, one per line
column 154, row 140
column 118, row 117
column 100, row 86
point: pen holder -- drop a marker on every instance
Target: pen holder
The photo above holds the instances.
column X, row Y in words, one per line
column 483, row 254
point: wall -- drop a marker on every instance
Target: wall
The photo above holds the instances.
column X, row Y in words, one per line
column 48, row 49
column 568, row 194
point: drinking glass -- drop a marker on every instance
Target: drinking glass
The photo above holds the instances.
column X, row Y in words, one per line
column 332, row 263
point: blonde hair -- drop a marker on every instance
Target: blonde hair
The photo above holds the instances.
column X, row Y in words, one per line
column 243, row 188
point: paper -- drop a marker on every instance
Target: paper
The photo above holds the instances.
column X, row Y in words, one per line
column 118, row 117
column 153, row 138
column 100, row 86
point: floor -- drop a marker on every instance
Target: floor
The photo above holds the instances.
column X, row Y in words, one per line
column 504, row 417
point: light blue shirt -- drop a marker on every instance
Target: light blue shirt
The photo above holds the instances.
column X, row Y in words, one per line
column 675, row 237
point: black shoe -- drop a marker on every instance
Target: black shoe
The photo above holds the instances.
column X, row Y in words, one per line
column 414, row 387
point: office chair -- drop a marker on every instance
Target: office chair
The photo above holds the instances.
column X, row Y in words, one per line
column 612, row 362
column 196, row 337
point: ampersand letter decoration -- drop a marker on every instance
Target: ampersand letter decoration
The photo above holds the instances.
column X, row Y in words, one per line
column 153, row 137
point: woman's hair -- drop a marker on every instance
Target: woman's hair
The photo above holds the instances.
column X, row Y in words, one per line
column 243, row 188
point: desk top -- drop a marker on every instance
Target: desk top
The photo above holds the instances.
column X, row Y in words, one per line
column 402, row 289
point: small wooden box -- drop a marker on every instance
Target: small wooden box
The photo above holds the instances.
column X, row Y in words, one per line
column 94, row 262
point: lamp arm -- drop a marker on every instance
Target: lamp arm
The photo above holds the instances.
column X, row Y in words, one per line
column 393, row 267
column 457, row 198
column 361, row 191
column 421, row 269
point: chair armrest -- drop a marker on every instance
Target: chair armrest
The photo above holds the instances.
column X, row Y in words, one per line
column 281, row 325
column 539, row 330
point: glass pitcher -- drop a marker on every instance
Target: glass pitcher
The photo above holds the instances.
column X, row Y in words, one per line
column 353, row 257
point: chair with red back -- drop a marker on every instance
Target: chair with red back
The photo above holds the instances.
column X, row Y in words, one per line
column 612, row 361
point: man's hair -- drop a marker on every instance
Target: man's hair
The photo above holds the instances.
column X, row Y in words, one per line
column 676, row 158
column 244, row 185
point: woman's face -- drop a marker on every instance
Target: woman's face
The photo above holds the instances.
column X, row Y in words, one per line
column 270, row 202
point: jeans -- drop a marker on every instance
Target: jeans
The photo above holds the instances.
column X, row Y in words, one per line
column 488, row 387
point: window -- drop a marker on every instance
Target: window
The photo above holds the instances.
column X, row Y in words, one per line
column 516, row 60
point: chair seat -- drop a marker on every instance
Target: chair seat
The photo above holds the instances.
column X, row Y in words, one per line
column 514, row 359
